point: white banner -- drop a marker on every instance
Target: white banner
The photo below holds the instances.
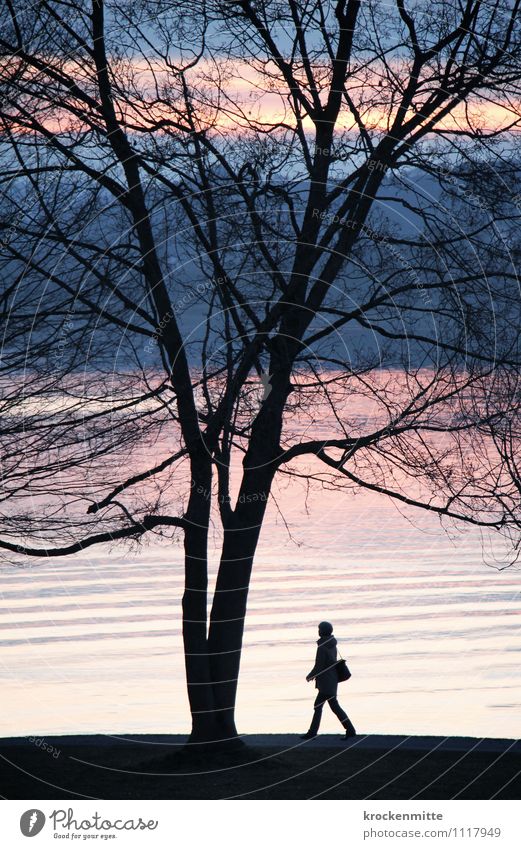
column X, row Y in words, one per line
column 250, row 824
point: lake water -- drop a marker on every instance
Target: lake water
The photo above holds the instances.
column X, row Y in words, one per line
column 431, row 633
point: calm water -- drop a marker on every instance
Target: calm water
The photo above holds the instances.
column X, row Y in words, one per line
column 432, row 634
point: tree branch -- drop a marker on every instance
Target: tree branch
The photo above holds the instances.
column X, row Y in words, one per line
column 137, row 529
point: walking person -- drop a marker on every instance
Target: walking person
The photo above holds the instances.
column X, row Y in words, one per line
column 326, row 681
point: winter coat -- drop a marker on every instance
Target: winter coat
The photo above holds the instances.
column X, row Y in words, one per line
column 324, row 671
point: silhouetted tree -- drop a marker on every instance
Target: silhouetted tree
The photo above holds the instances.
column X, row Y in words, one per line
column 199, row 195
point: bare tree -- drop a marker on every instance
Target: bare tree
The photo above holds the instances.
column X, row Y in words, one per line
column 221, row 217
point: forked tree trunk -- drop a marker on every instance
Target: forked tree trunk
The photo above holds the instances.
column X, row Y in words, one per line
column 240, row 541
column 198, row 676
column 213, row 704
column 227, row 620
column 213, row 678
column 195, row 600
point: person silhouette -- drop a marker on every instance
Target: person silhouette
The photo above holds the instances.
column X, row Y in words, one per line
column 326, row 681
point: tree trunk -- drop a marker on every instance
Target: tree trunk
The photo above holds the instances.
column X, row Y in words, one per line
column 198, row 678
column 241, row 535
column 227, row 621
column 195, row 597
column 233, row 579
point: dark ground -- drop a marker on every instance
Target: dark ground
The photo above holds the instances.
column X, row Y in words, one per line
column 276, row 767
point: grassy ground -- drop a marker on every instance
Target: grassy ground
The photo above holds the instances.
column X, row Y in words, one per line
column 131, row 771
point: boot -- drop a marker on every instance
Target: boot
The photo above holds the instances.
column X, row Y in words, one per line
column 350, row 729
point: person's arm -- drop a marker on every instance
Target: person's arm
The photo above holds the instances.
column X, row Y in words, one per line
column 317, row 667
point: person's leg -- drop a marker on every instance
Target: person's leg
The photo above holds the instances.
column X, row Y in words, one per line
column 317, row 713
column 342, row 715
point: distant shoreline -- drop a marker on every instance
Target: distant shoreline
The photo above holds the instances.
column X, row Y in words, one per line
column 274, row 766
